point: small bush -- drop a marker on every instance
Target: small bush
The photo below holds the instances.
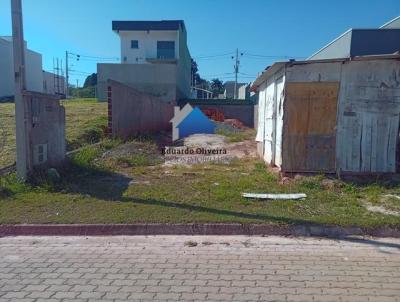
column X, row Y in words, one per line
column 10, row 184
column 5, row 192
column 311, row 182
column 260, row 167
column 94, row 130
column 86, row 92
column 108, row 144
column 85, row 156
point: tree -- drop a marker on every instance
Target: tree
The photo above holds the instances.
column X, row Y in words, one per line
column 91, row 80
column 195, row 73
column 197, row 80
column 217, row 87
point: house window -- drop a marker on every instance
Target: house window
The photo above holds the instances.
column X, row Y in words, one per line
column 134, row 44
column 166, row 49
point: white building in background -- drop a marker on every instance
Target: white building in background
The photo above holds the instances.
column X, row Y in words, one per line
column 33, row 62
column 37, row 79
column 242, row 90
column 148, row 42
column 154, row 59
column 53, row 84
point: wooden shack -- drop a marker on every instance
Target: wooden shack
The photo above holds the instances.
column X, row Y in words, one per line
column 333, row 116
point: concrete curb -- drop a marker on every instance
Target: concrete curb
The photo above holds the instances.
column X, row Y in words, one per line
column 192, row 229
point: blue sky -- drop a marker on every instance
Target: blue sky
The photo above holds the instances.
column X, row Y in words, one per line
column 258, row 28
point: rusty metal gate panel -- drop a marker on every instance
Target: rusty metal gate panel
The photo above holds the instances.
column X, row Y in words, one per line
column 309, row 127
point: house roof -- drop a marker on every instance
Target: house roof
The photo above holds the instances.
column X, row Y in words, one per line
column 394, row 23
column 148, row 25
column 360, row 42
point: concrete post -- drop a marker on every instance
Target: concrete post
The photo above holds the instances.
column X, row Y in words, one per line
column 22, row 137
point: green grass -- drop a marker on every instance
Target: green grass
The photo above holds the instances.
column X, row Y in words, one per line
column 85, row 122
column 7, row 134
column 96, row 191
column 113, row 182
column 236, row 136
column 137, row 160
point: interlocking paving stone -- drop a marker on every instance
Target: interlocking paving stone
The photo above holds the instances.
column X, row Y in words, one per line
column 164, row 268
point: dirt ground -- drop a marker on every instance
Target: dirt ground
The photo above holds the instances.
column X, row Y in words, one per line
column 242, row 149
column 201, row 148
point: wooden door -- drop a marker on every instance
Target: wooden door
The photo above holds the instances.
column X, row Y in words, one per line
column 310, row 127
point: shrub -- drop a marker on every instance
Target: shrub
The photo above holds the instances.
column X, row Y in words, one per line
column 86, row 156
column 94, row 130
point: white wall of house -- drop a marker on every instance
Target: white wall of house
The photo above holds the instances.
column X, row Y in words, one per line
column 147, row 45
column 146, row 54
column 33, row 61
column 53, row 84
column 244, row 92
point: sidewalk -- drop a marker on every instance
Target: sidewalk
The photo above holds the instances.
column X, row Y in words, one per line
column 186, row 268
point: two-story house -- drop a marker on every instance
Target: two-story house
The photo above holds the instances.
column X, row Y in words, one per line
column 154, row 59
column 33, row 70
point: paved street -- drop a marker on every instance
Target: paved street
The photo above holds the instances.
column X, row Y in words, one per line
column 185, row 268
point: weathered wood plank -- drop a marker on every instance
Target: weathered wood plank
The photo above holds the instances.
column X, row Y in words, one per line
column 310, row 123
column 393, row 137
column 374, row 142
column 366, row 142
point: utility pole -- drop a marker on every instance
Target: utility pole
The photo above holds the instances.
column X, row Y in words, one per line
column 58, row 76
column 23, row 152
column 66, row 73
column 237, row 63
column 77, row 86
column 236, row 73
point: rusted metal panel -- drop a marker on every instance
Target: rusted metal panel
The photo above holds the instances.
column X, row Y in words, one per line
column 368, row 116
column 309, row 126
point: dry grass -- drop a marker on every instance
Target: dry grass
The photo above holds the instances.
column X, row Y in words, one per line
column 7, row 132
column 79, row 114
column 97, row 187
column 115, row 182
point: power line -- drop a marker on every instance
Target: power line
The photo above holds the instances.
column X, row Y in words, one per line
column 218, row 74
column 246, row 74
column 214, row 55
column 272, row 56
column 78, row 71
column 233, row 77
column 100, row 58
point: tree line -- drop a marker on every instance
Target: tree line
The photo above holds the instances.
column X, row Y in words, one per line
column 216, row 86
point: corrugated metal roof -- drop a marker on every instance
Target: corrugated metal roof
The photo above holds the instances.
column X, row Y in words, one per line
column 148, row 25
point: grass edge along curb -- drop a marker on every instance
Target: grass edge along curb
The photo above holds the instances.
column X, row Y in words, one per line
column 193, row 229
